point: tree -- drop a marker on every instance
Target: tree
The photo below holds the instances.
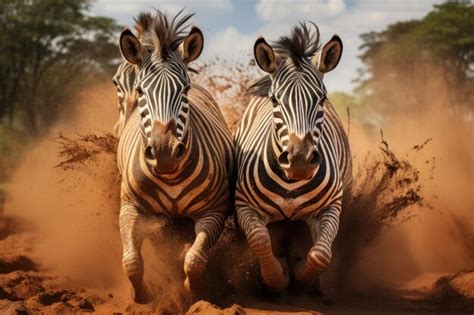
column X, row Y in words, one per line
column 421, row 63
column 46, row 48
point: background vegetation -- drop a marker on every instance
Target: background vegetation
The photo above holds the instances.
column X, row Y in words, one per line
column 49, row 49
column 414, row 66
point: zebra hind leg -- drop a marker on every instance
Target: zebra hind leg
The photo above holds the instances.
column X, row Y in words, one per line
column 323, row 228
column 258, row 237
column 208, row 229
column 131, row 230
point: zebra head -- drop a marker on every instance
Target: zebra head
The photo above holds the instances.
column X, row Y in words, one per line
column 296, row 67
column 162, row 84
column 123, row 80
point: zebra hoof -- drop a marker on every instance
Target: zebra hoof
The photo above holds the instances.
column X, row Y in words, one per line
column 301, row 272
column 307, row 282
column 277, row 279
column 277, row 285
column 141, row 295
column 190, row 287
column 193, row 268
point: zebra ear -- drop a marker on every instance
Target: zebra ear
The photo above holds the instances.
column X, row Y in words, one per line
column 328, row 57
column 264, row 55
column 191, row 47
column 130, row 47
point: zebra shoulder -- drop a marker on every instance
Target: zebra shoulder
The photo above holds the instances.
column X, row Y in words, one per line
column 203, row 96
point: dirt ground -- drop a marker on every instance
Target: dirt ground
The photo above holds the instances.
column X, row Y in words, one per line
column 28, row 287
column 60, row 249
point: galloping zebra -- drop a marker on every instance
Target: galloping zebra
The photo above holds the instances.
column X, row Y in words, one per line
column 127, row 98
column 175, row 153
column 124, row 79
column 293, row 156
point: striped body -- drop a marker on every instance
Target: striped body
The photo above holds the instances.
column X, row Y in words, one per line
column 264, row 195
column 293, row 158
column 175, row 153
column 203, row 183
column 260, row 182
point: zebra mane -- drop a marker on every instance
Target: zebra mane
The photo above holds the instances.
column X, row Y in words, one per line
column 143, row 22
column 260, row 86
column 165, row 32
column 302, row 43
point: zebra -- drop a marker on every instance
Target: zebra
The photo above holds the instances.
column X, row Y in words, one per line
column 124, row 79
column 127, row 98
column 175, row 154
column 292, row 154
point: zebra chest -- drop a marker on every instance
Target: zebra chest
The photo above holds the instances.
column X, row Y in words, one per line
column 172, row 199
column 290, row 206
column 178, row 197
column 281, row 199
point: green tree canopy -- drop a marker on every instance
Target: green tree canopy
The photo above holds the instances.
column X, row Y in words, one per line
column 420, row 63
column 46, row 48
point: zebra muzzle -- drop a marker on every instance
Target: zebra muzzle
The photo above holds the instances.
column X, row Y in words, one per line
column 164, row 151
column 300, row 160
column 165, row 160
column 299, row 169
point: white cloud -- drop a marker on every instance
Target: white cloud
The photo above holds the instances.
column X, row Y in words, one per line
column 230, row 44
column 349, row 19
column 334, row 16
column 277, row 10
column 125, row 10
column 123, row 6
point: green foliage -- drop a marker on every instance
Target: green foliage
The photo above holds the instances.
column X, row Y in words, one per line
column 47, row 49
column 417, row 64
column 352, row 108
column 12, row 144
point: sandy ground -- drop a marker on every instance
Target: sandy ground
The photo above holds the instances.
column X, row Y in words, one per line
column 27, row 287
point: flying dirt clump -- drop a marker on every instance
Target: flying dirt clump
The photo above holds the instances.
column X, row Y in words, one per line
column 83, row 148
column 386, row 192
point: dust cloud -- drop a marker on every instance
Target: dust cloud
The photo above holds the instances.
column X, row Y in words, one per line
column 435, row 234
column 74, row 212
column 420, row 222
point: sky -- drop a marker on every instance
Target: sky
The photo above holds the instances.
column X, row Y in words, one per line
column 231, row 27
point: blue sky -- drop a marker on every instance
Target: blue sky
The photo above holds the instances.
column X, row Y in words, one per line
column 230, row 27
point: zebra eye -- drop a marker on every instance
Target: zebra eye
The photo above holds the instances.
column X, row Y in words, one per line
column 323, row 100
column 115, row 82
column 184, row 98
column 139, row 91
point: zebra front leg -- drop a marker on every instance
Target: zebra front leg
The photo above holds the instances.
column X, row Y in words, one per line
column 323, row 228
column 208, row 229
column 131, row 230
column 258, row 237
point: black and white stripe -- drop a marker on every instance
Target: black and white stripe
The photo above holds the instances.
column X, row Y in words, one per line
column 166, row 86
column 291, row 102
column 200, row 188
column 124, row 80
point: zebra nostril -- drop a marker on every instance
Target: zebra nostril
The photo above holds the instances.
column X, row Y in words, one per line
column 315, row 158
column 179, row 151
column 283, row 159
column 149, row 153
